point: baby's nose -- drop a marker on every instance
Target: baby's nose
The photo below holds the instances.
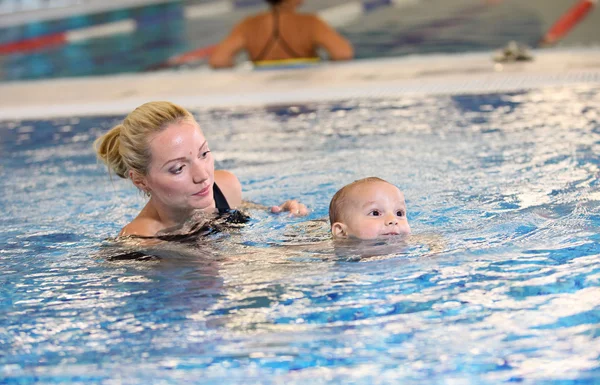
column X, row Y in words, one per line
column 391, row 220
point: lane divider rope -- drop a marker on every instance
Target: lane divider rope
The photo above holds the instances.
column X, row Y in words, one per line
column 567, row 22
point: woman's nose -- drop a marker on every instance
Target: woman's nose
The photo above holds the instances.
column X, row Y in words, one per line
column 199, row 172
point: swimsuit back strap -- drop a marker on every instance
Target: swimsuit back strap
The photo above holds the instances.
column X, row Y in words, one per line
column 276, row 37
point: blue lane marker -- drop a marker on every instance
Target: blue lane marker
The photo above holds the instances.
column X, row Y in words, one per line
column 370, row 5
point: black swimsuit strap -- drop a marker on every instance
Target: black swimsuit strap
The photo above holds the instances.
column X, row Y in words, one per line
column 220, row 200
column 276, row 37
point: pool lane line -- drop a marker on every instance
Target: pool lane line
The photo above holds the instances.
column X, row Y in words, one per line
column 33, row 44
column 567, row 22
column 71, row 36
column 83, row 8
column 208, row 10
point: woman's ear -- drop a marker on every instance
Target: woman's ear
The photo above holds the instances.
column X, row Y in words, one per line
column 139, row 181
column 339, row 230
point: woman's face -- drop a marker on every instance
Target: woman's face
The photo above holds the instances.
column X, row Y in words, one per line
column 181, row 171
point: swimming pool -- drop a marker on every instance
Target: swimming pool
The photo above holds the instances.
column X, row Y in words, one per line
column 509, row 180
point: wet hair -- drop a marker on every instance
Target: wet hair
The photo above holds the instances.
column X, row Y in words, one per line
column 275, row 2
column 125, row 147
column 339, row 201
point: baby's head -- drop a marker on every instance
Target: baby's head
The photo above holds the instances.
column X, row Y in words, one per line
column 368, row 208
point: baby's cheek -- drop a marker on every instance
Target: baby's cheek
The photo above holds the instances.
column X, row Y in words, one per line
column 368, row 232
column 405, row 229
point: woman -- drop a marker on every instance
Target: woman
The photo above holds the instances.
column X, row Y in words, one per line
column 161, row 148
column 281, row 34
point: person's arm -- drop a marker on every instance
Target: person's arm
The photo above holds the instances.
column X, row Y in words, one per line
column 337, row 47
column 232, row 189
column 224, row 54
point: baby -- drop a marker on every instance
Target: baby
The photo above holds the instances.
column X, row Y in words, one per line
column 368, row 208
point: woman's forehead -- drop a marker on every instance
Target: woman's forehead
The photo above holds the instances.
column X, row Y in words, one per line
column 176, row 134
column 176, row 140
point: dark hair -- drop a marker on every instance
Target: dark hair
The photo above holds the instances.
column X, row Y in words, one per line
column 274, row 2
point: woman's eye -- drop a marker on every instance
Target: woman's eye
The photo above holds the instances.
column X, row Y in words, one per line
column 400, row 213
column 177, row 170
column 375, row 213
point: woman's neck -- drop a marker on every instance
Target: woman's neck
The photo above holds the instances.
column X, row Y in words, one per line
column 168, row 217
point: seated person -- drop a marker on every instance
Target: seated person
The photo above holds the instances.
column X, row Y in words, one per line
column 368, row 208
column 281, row 34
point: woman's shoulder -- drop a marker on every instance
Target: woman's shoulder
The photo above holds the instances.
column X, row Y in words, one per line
column 230, row 186
column 142, row 226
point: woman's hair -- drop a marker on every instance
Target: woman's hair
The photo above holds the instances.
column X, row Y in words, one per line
column 125, row 147
column 275, row 2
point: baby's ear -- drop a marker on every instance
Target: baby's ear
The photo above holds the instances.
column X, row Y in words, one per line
column 339, row 230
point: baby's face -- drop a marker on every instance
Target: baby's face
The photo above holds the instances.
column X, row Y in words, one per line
column 375, row 210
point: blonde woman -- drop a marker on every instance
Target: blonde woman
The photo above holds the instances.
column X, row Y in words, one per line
column 161, row 148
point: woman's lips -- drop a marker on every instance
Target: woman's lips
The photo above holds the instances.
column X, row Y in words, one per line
column 203, row 192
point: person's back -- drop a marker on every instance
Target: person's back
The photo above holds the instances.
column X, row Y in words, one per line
column 281, row 34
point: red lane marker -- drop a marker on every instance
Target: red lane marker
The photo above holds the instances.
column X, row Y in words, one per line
column 567, row 21
column 33, row 44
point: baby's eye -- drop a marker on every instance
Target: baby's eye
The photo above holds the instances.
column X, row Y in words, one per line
column 204, row 154
column 176, row 170
column 375, row 213
column 400, row 213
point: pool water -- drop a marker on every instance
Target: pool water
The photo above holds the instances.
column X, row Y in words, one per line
column 508, row 181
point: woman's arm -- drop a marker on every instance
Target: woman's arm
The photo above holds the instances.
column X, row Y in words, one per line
column 232, row 189
column 224, row 54
column 337, row 47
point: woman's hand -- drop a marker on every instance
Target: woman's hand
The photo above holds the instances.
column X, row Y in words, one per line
column 293, row 206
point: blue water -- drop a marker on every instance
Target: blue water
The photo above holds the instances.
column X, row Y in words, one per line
column 508, row 182
column 160, row 34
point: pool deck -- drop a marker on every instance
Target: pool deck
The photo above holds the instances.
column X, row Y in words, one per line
column 243, row 86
